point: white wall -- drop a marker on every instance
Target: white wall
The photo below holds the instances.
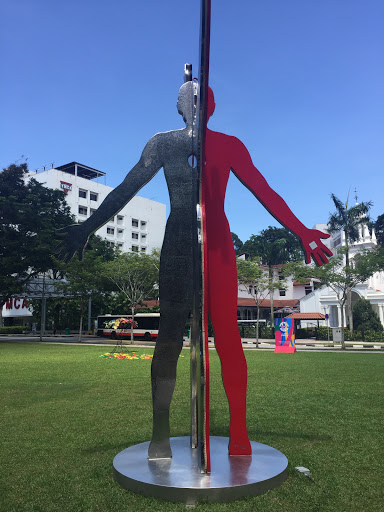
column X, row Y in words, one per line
column 150, row 215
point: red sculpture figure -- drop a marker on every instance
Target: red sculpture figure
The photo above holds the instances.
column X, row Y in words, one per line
column 223, row 154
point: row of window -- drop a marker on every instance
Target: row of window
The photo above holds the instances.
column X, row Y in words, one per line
column 83, row 210
column 93, row 196
column 120, row 231
column 134, row 248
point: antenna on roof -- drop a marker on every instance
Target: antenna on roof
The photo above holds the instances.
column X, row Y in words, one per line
column 53, row 165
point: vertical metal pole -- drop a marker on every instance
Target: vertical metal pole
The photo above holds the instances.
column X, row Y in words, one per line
column 203, row 412
column 43, row 310
column 89, row 313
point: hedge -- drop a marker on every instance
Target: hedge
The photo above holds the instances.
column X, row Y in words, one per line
column 13, row 329
column 371, row 336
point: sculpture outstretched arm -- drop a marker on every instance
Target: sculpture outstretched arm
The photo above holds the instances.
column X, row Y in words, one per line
column 76, row 235
column 248, row 174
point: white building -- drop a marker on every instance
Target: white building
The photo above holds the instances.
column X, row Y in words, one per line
column 138, row 227
column 285, row 300
column 323, row 300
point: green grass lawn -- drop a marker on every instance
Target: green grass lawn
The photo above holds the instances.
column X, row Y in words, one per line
column 66, row 413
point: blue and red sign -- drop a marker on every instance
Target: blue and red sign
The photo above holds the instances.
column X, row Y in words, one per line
column 285, row 335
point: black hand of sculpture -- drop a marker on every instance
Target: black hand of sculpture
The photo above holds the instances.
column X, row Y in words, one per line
column 75, row 239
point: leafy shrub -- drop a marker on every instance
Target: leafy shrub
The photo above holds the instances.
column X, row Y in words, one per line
column 370, row 336
column 14, row 329
column 322, row 333
column 305, row 333
column 364, row 317
column 267, row 333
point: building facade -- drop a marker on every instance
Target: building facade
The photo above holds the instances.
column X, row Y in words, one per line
column 323, row 300
column 285, row 299
column 138, row 227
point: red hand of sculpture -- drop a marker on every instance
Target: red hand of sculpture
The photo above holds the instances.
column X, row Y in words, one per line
column 313, row 246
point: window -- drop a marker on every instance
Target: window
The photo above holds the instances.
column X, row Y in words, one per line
column 135, row 236
column 83, row 210
column 308, row 290
column 143, row 249
column 135, row 248
column 282, row 293
column 135, row 223
column 250, row 289
column 110, row 244
column 143, row 224
column 143, row 237
column 82, row 193
column 92, row 210
column 110, row 231
column 120, row 245
column 93, row 196
column 120, row 219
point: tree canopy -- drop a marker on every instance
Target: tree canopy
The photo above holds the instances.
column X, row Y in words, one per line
column 379, row 230
column 364, row 317
column 135, row 276
column 274, row 246
column 30, row 214
column 335, row 274
column 237, row 243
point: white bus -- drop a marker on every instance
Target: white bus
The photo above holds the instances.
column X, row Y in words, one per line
column 147, row 326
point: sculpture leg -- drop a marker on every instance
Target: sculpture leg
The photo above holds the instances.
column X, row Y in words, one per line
column 222, row 304
column 234, row 368
column 175, row 285
column 163, row 376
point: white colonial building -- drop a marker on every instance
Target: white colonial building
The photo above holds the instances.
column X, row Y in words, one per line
column 285, row 300
column 138, row 227
column 323, row 300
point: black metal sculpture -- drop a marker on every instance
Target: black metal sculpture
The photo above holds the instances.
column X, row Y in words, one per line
column 170, row 150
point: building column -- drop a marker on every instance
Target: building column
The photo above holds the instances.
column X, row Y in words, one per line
column 381, row 313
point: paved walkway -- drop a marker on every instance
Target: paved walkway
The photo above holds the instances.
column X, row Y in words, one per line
column 248, row 344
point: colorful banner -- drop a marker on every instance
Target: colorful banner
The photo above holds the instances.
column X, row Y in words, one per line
column 285, row 335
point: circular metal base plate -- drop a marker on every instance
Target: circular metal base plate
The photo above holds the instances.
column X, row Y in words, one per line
column 180, row 479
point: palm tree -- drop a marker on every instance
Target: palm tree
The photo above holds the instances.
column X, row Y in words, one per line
column 348, row 220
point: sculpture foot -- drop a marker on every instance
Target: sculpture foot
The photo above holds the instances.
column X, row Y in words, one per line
column 160, row 450
column 240, row 447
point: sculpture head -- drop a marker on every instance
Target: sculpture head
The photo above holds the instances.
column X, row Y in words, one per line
column 186, row 101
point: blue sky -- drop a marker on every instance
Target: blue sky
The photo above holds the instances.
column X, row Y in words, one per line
column 300, row 82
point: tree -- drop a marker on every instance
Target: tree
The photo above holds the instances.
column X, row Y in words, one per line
column 348, row 221
column 274, row 246
column 29, row 216
column 256, row 281
column 364, row 316
column 237, row 243
column 336, row 274
column 135, row 276
column 379, row 230
column 84, row 278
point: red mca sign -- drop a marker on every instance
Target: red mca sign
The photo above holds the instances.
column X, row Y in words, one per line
column 16, row 307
